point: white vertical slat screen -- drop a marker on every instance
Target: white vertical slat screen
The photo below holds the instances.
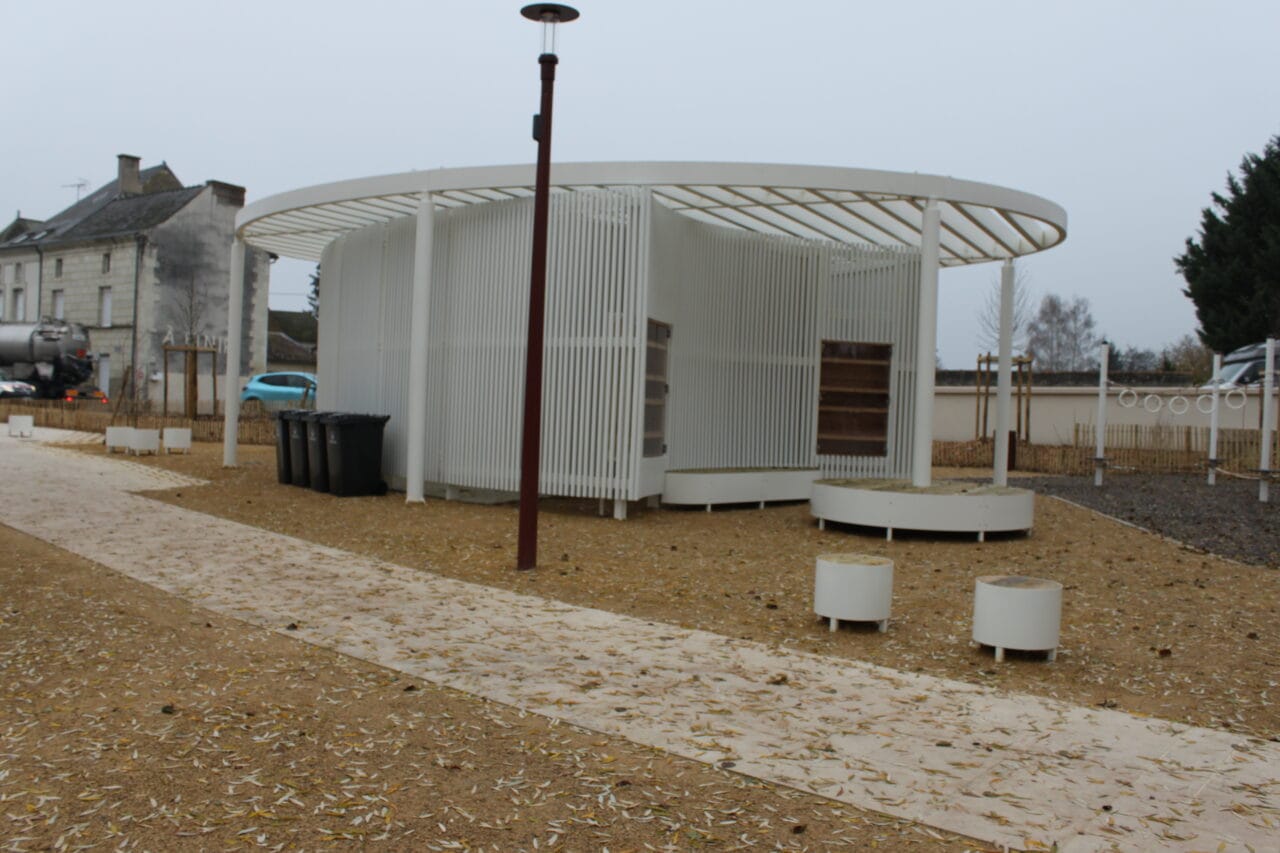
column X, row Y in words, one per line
column 873, row 296
column 479, row 311
column 395, row 314
column 748, row 313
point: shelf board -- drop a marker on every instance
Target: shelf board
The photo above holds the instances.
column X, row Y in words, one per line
column 860, row 410
column 868, row 437
column 853, row 389
column 878, row 362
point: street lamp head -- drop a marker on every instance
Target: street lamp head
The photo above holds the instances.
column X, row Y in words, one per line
column 549, row 14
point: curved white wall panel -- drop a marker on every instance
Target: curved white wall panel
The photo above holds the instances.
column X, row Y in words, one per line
column 748, row 313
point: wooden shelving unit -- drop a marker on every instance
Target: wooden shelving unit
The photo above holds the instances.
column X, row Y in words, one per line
column 853, row 398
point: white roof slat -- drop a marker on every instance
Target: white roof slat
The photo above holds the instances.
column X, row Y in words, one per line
column 980, row 222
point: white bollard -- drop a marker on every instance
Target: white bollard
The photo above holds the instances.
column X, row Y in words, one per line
column 1016, row 612
column 176, row 438
column 1268, row 419
column 22, row 426
column 1099, row 461
column 119, row 438
column 144, row 441
column 1213, row 421
column 853, row 588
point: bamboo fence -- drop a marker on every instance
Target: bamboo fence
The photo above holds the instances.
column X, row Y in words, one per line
column 1146, row 449
column 88, row 416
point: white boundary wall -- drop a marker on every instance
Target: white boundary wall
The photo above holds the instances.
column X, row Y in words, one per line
column 748, row 313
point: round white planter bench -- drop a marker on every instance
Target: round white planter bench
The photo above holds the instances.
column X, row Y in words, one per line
column 1016, row 612
column 853, row 588
column 710, row 486
column 942, row 508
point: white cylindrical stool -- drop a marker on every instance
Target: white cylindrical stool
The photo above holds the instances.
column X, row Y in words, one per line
column 853, row 587
column 1016, row 612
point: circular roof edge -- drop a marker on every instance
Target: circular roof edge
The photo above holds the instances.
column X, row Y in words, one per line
column 980, row 222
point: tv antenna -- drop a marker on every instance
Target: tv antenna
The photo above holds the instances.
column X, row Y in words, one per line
column 81, row 185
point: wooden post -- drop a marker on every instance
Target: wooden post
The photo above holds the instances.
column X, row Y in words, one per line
column 977, row 399
column 192, row 393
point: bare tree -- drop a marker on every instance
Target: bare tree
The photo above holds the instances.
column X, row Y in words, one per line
column 1061, row 336
column 989, row 313
column 1187, row 354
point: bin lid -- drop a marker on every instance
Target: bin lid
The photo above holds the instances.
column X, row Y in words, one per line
column 351, row 418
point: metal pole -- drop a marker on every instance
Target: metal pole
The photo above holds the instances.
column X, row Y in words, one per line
column 1099, row 459
column 1213, row 422
column 419, row 319
column 1268, row 418
column 926, row 346
column 1003, row 389
column 531, row 437
column 235, row 320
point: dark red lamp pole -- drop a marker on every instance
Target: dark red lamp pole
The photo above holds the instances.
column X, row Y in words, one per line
column 548, row 14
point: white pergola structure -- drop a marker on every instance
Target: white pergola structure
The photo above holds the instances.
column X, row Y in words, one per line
column 830, row 224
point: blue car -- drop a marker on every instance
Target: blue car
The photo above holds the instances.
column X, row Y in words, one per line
column 280, row 388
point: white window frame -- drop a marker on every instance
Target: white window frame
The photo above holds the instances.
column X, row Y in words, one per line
column 58, row 304
column 104, row 307
column 19, row 305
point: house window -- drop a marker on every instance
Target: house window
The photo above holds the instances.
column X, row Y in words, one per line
column 104, row 307
column 57, row 268
column 106, row 262
column 59, row 305
column 853, row 399
column 18, row 273
column 658, row 341
column 19, row 305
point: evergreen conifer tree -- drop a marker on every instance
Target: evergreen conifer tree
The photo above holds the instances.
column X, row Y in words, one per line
column 1233, row 270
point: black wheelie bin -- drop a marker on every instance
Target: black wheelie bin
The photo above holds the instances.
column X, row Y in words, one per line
column 284, row 474
column 355, row 453
column 298, row 468
column 317, row 449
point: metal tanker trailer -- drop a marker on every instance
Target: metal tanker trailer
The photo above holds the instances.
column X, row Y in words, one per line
column 52, row 355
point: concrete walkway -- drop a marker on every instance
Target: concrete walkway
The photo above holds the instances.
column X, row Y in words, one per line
column 1012, row 770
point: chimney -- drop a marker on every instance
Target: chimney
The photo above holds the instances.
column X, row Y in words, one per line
column 130, row 179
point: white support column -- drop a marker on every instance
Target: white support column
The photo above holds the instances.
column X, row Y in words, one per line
column 416, row 464
column 1213, row 421
column 235, row 322
column 1104, row 356
column 1268, row 422
column 926, row 347
column 1004, row 384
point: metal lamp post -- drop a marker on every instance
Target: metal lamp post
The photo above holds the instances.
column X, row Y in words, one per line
column 549, row 15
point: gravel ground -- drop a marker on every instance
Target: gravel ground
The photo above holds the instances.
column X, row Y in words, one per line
column 1226, row 519
column 130, row 719
column 1144, row 627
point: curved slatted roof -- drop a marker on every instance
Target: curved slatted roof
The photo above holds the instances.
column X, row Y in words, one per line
column 980, row 222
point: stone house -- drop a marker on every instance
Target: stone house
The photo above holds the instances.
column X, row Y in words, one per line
column 142, row 262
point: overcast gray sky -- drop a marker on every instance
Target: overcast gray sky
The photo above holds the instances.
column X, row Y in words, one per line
column 1126, row 113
